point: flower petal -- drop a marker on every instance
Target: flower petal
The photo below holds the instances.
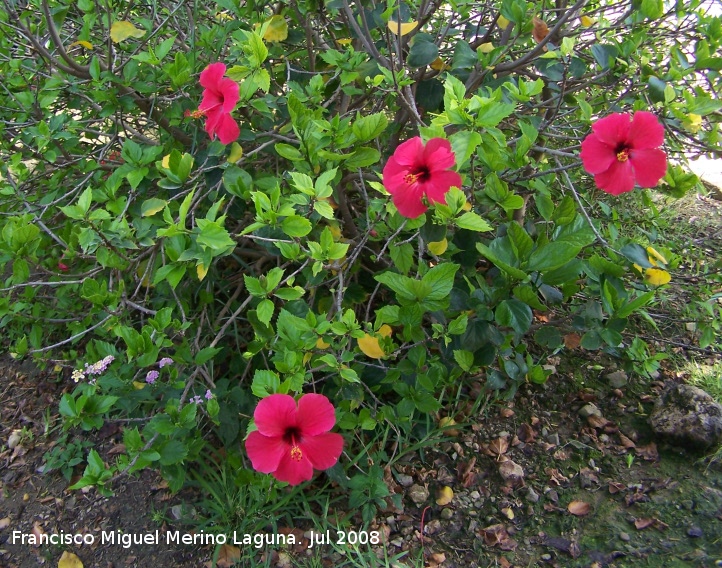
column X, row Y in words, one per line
column 612, row 129
column 439, row 184
column 211, row 76
column 438, row 155
column 275, row 414
column 211, row 100
column 649, row 165
column 410, row 153
column 293, row 471
column 266, row 452
column 646, row 131
column 227, row 129
column 229, row 88
column 315, row 415
column 394, row 174
column 408, row 202
column 619, row 178
column 597, row 157
column 322, row 451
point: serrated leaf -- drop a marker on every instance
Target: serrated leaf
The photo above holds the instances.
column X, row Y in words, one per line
column 473, row 222
column 296, row 226
column 120, row 31
column 402, row 29
column 324, row 209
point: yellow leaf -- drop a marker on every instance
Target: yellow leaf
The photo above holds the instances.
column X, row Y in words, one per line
column 165, row 162
column 466, row 206
column 693, row 122
column 653, row 253
column 120, row 31
column 85, row 44
column 369, row 344
column 438, row 247
column 502, row 22
column 344, row 41
column 402, row 29
column 236, row 153
column 439, row 64
column 486, row 47
column 321, row 344
column 69, row 560
column 138, row 385
column 656, row 276
column 277, row 29
column 201, row 270
column 335, row 231
column 586, row 21
column 444, row 496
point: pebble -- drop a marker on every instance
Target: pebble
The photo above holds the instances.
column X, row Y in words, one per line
column 553, row 439
column 531, row 495
column 474, row 495
column 546, row 557
column 446, row 513
column 694, row 532
column 617, row 379
column 418, row 494
column 625, row 537
column 405, row 480
column 589, row 410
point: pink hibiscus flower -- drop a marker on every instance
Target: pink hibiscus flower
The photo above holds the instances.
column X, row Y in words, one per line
column 416, row 172
column 622, row 150
column 291, row 441
column 219, row 99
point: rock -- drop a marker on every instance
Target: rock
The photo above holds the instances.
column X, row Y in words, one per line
column 531, row 495
column 405, row 480
column 418, row 494
column 625, row 537
column 687, row 416
column 446, row 513
column 512, row 473
column 617, row 379
column 694, row 532
column 589, row 410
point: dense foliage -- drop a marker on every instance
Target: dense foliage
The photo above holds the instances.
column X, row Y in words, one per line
column 182, row 245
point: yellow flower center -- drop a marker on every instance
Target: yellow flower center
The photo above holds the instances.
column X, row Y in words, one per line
column 623, row 155
column 296, row 453
column 411, row 178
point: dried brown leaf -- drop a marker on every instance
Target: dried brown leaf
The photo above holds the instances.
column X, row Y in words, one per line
column 228, row 556
column 578, row 508
column 499, row 446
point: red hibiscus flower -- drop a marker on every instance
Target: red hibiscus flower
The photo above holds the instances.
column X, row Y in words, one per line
column 622, row 150
column 416, row 172
column 219, row 99
column 291, row 441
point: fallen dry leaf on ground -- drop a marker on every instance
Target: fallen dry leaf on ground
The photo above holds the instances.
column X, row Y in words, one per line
column 578, row 508
column 69, row 560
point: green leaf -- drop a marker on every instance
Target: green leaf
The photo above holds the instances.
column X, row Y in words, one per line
column 565, row 212
column 289, row 152
column 363, row 157
column 510, row 270
column 464, row 143
column 441, row 280
column 552, row 255
column 514, row 314
column 472, row 222
column 521, row 242
column 636, row 254
column 630, row 307
column 151, row 206
column 215, row 237
column 653, row 9
column 369, row 127
column 324, row 209
column 264, row 311
column 265, row 383
column 422, row 53
column 206, row 354
column 464, row 359
column 296, row 226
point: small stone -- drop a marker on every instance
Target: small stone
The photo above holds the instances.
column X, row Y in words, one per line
column 688, row 504
column 447, row 513
column 553, row 439
column 405, row 480
column 588, row 410
column 694, row 532
column 687, row 416
column 474, row 495
column 432, row 527
column 546, row 557
column 418, row 494
column 552, row 496
column 625, row 537
column 617, row 379
column 531, row 495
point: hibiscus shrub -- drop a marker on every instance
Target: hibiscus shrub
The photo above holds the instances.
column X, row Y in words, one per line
column 214, row 212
